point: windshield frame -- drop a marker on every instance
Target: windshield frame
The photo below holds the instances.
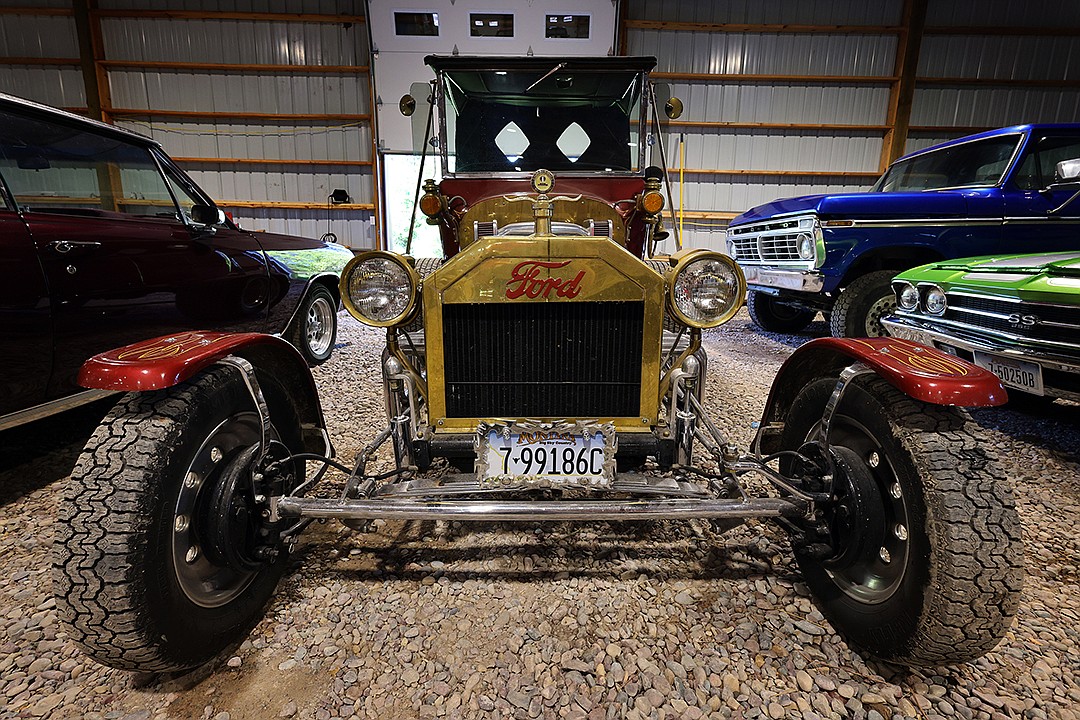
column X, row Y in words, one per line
column 639, row 124
column 1021, row 136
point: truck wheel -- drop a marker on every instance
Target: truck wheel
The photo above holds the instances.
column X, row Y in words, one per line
column 862, row 304
column 315, row 329
column 770, row 314
column 922, row 563
column 162, row 557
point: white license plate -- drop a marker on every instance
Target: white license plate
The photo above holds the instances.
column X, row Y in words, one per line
column 1013, row 373
column 567, row 454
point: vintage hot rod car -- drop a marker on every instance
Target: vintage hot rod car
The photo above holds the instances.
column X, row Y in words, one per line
column 554, row 359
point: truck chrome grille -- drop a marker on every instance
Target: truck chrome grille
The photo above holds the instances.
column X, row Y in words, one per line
column 766, row 242
column 543, row 359
column 1058, row 324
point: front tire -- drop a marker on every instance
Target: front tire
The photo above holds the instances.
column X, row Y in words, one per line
column 315, row 330
column 160, row 560
column 772, row 315
column 862, row 304
column 924, row 561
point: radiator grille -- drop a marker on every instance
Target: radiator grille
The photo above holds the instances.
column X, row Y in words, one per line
column 558, row 360
column 1055, row 323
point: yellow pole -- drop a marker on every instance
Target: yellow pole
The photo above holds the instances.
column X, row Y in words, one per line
column 682, row 166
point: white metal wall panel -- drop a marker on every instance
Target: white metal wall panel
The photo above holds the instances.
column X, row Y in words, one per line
column 353, row 230
column 1000, row 57
column 239, row 91
column 38, row 36
column 765, row 53
column 319, row 7
column 791, row 12
column 803, row 103
column 234, row 41
column 290, row 183
column 1004, row 13
column 61, row 86
column 752, row 149
column 993, row 106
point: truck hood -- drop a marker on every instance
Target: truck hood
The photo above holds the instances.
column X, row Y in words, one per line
column 875, row 205
column 1045, row 277
column 1062, row 264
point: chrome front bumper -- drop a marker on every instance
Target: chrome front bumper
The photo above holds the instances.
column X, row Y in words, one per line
column 767, row 276
column 908, row 329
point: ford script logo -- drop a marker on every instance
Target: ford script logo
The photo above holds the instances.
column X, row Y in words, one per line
column 1018, row 320
column 525, row 280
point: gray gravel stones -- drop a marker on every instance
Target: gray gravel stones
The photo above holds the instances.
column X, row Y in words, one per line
column 597, row 621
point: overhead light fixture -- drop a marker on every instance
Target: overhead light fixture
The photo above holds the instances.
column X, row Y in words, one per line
column 339, row 197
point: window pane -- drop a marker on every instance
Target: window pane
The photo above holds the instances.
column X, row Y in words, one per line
column 979, row 163
column 58, row 168
column 1039, row 166
column 568, row 26
column 491, row 25
column 416, row 23
column 185, row 194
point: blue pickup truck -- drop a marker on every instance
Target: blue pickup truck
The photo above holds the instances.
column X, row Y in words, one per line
column 1005, row 191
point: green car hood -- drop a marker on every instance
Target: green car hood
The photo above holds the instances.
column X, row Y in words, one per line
column 1042, row 277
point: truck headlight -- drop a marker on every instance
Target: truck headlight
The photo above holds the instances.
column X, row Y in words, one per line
column 379, row 288
column 907, row 297
column 706, row 288
column 807, row 251
column 935, row 300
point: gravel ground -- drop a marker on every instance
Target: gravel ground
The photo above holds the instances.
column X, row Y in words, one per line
column 549, row 620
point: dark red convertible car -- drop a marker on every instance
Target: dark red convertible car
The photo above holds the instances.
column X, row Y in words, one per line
column 104, row 241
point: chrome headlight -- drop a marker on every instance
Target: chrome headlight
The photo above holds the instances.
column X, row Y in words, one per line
column 907, row 297
column 935, row 300
column 706, row 288
column 379, row 288
column 806, row 245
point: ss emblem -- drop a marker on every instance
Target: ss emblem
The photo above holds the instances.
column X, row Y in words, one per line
column 1023, row 320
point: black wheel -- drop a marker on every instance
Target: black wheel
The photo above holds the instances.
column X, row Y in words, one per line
column 315, row 329
column 862, row 304
column 162, row 556
column 771, row 314
column 922, row 561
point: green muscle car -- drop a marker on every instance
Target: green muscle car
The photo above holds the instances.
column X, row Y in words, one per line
column 1015, row 315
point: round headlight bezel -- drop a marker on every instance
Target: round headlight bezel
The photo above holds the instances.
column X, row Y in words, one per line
column 806, row 239
column 686, row 262
column 930, row 305
column 356, row 263
column 906, row 289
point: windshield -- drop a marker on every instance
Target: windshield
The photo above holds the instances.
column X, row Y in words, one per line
column 980, row 163
column 506, row 121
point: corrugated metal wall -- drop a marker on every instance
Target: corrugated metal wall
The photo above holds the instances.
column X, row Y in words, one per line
column 763, row 162
column 219, row 149
column 745, row 140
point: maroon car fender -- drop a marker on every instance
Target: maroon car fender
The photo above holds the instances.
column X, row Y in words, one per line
column 921, row 372
column 171, row 359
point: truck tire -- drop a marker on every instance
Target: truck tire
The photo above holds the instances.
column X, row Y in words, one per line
column 770, row 314
column 862, row 304
column 153, row 561
column 315, row 329
column 924, row 562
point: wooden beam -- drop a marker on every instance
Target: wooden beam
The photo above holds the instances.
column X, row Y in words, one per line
column 860, row 174
column 39, row 61
column 207, row 115
column 708, row 214
column 774, row 126
column 750, row 78
column 224, row 15
column 623, row 30
column 764, row 28
column 362, row 207
column 42, row 11
column 91, row 52
column 270, row 161
column 238, row 67
column 898, row 114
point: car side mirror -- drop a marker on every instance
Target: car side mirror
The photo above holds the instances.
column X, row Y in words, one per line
column 1067, row 171
column 207, row 215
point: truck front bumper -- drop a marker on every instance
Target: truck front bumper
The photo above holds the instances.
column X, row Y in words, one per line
column 768, row 277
